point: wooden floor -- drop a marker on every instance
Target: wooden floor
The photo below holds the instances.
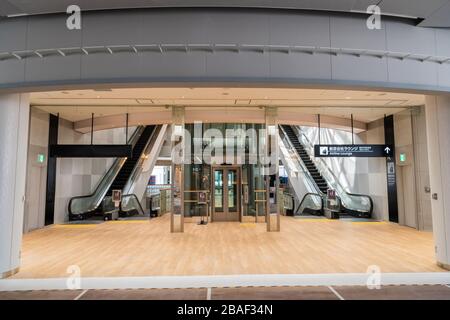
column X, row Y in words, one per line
column 140, row 248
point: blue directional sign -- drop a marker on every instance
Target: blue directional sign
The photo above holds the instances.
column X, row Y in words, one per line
column 353, row 150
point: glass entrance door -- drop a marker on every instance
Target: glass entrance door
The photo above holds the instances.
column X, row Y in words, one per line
column 226, row 206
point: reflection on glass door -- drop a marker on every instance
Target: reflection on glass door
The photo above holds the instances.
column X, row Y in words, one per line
column 218, row 190
column 232, row 187
column 226, row 194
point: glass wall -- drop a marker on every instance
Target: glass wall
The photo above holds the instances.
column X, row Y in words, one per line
column 197, row 179
column 232, row 144
column 254, row 194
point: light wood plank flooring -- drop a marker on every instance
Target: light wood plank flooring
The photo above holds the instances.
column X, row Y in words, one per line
column 141, row 248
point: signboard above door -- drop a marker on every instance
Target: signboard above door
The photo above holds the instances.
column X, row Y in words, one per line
column 353, row 150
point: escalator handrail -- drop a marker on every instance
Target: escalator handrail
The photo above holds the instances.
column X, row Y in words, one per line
column 132, row 195
column 138, row 167
column 310, row 194
column 363, row 196
column 98, row 186
column 133, row 140
column 299, row 159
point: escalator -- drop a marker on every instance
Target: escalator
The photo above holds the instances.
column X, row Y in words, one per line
column 127, row 168
column 319, row 178
column 99, row 203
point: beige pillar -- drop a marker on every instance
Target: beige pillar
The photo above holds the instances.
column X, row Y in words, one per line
column 177, row 154
column 437, row 112
column 14, row 123
column 273, row 214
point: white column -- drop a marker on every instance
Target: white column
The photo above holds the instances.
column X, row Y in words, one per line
column 437, row 111
column 14, row 123
column 178, row 156
column 273, row 213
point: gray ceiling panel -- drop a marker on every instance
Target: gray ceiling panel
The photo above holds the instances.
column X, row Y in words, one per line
column 413, row 8
column 439, row 19
column 436, row 11
column 7, row 8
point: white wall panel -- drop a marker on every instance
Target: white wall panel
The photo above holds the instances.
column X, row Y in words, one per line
column 231, row 26
column 412, row 72
column 437, row 112
column 14, row 118
column 50, row 31
column 300, row 65
column 53, row 68
column 107, row 28
column 443, row 49
column 242, row 64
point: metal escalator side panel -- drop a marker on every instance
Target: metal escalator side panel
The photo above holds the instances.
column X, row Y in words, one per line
column 307, row 192
column 80, row 207
column 137, row 183
column 357, row 205
column 130, row 164
column 130, row 205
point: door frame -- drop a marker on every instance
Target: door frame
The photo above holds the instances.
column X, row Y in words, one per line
column 225, row 169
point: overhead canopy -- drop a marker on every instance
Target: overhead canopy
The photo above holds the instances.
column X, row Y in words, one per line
column 435, row 13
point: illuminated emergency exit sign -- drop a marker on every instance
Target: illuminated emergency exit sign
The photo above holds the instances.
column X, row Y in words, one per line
column 41, row 158
column 353, row 150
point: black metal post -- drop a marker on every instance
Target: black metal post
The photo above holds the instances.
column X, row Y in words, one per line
column 126, row 130
column 391, row 175
column 51, row 171
column 92, row 128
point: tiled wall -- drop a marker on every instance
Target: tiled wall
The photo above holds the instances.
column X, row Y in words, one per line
column 74, row 177
column 80, row 176
column 36, row 171
column 376, row 173
column 368, row 175
column 422, row 174
column 412, row 174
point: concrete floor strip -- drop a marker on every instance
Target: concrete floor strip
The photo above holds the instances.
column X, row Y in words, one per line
column 179, row 282
column 336, row 293
column 80, row 295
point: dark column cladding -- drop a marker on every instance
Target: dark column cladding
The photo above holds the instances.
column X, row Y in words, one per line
column 51, row 172
column 391, row 169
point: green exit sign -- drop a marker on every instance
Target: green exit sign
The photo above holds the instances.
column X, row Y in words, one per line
column 402, row 157
column 41, row 158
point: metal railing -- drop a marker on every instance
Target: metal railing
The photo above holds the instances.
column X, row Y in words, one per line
column 43, row 53
column 130, row 203
column 137, row 170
